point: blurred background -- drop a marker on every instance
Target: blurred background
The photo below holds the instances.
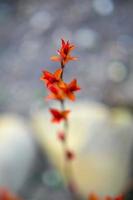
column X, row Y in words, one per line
column 30, row 33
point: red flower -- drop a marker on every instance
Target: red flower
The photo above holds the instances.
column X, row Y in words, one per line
column 70, row 88
column 56, row 93
column 70, row 155
column 64, row 90
column 59, row 115
column 50, row 78
column 6, row 195
column 64, row 53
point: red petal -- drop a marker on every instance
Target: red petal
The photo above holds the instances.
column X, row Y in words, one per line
column 63, row 42
column 58, row 115
column 54, row 89
column 58, row 73
column 73, row 85
column 65, row 113
column 55, row 58
column 55, row 112
column 71, row 96
column 45, row 75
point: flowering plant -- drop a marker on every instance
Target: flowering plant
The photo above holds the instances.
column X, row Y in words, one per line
column 59, row 90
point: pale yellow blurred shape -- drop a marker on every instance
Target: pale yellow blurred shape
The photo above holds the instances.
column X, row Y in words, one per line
column 81, row 115
column 121, row 116
column 9, row 124
column 96, row 173
column 17, row 151
column 92, row 171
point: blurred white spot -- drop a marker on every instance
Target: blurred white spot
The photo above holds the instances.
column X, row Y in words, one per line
column 17, row 151
column 61, row 33
column 41, row 21
column 86, row 38
column 103, row 7
column 117, row 51
column 117, row 71
column 29, row 49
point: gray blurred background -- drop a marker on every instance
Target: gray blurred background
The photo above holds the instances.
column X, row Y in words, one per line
column 30, row 32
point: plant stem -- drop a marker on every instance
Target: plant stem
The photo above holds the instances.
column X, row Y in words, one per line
column 67, row 167
column 65, row 130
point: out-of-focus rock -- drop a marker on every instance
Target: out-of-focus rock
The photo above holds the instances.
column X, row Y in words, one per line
column 17, row 152
column 102, row 141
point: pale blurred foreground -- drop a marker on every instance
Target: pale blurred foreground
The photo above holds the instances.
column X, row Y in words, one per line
column 101, row 138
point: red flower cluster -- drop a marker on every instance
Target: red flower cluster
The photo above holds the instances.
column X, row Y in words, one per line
column 63, row 90
column 6, row 195
column 64, row 53
column 95, row 197
column 58, row 89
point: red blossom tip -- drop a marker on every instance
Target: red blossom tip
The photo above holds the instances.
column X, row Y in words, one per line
column 64, row 55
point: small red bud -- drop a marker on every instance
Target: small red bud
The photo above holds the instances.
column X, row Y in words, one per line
column 70, row 155
column 61, row 136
